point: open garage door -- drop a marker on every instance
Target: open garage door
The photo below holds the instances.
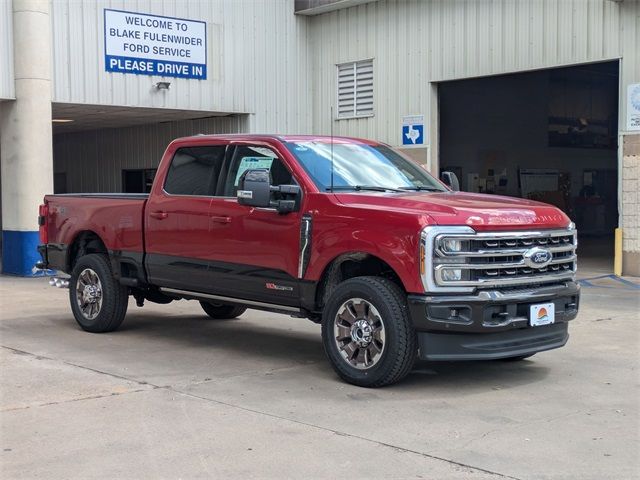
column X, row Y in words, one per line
column 549, row 135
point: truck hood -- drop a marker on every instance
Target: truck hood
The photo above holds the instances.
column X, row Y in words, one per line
column 480, row 211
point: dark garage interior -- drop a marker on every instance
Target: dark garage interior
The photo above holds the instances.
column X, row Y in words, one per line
column 547, row 135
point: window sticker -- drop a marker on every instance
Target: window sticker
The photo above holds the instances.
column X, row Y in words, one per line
column 248, row 163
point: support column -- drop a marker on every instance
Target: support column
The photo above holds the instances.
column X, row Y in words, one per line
column 630, row 177
column 26, row 137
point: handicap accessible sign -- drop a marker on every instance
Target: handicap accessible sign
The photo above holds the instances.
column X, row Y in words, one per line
column 146, row 44
column 413, row 130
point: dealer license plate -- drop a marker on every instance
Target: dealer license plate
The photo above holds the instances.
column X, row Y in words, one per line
column 542, row 314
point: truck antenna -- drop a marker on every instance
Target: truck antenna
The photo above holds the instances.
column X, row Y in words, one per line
column 331, row 132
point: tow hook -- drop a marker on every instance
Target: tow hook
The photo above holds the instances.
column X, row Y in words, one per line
column 59, row 282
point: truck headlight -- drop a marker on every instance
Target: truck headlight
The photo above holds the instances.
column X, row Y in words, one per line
column 452, row 245
column 442, row 255
column 451, row 275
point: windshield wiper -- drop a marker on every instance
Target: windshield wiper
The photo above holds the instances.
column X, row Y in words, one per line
column 357, row 188
column 420, row 189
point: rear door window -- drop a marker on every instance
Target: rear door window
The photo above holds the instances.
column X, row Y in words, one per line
column 195, row 171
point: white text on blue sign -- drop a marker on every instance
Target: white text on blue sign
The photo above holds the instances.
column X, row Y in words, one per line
column 413, row 130
column 153, row 45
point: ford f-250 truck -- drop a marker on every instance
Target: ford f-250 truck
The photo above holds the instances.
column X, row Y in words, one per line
column 393, row 263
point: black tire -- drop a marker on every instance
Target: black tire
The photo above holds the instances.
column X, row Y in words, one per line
column 114, row 296
column 517, row 359
column 398, row 355
column 220, row 311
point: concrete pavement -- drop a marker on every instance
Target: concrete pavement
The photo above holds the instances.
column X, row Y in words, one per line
column 175, row 395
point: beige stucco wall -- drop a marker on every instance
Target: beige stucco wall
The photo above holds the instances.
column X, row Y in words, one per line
column 631, row 205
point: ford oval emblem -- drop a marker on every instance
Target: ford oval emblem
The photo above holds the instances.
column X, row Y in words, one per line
column 537, row 257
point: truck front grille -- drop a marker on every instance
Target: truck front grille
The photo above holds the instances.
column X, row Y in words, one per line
column 465, row 259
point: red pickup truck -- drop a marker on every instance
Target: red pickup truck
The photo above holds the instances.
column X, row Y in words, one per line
column 348, row 233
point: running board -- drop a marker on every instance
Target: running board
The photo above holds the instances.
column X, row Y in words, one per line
column 239, row 301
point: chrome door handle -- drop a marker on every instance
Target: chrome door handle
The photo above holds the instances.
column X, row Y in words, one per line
column 220, row 219
column 159, row 215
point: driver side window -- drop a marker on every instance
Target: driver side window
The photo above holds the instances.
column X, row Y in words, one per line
column 249, row 157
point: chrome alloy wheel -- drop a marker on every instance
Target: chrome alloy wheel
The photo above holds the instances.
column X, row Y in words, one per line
column 359, row 333
column 89, row 293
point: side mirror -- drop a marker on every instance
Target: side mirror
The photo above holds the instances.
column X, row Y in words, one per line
column 255, row 190
column 450, row 180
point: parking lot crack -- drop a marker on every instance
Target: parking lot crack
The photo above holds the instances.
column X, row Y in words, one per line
column 83, row 367
column 70, row 400
column 337, row 432
column 526, row 424
column 252, row 373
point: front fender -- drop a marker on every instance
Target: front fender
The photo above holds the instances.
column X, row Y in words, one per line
column 393, row 238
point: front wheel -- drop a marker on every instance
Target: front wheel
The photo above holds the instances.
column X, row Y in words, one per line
column 367, row 334
column 98, row 300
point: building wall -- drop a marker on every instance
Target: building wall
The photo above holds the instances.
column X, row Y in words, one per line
column 631, row 201
column 257, row 61
column 258, row 64
column 6, row 50
column 93, row 160
column 279, row 69
column 629, row 41
column 417, row 42
column 630, row 143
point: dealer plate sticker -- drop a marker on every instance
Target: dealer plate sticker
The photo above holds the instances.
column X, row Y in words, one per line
column 542, row 314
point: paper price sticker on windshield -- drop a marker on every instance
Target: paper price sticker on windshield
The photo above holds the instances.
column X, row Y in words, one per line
column 250, row 163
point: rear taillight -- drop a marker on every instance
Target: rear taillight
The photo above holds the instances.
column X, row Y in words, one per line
column 43, row 214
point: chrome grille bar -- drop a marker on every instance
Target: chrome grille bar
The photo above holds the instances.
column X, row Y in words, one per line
column 463, row 259
column 503, row 253
column 486, row 266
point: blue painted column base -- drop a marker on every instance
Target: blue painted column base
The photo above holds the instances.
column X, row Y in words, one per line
column 20, row 254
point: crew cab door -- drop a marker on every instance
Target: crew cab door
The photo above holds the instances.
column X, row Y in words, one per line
column 177, row 224
column 257, row 249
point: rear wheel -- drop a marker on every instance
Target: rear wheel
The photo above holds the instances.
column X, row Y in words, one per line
column 220, row 311
column 367, row 334
column 98, row 301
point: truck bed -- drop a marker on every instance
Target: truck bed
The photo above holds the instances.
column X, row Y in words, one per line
column 116, row 218
column 116, row 196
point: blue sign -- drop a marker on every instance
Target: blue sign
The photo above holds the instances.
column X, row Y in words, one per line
column 145, row 44
column 413, row 130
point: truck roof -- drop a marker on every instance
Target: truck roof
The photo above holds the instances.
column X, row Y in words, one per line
column 272, row 137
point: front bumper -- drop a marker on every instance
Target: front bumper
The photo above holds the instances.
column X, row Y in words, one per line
column 491, row 346
column 491, row 324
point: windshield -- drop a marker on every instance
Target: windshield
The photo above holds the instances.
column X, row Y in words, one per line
column 360, row 167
